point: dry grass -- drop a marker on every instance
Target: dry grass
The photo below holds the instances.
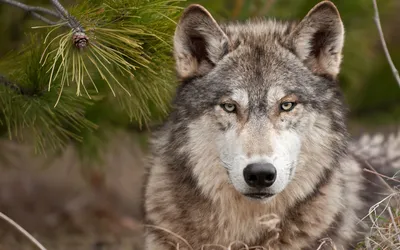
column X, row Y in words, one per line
column 384, row 218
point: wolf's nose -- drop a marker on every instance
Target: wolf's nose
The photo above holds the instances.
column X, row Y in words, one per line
column 259, row 175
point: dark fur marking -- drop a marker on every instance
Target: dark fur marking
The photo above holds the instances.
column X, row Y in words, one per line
column 319, row 41
column 326, row 178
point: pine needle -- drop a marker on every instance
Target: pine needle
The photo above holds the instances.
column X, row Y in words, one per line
column 125, row 68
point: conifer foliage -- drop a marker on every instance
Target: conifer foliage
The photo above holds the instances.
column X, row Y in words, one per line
column 85, row 65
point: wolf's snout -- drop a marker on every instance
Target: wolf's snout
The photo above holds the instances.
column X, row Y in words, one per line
column 260, row 175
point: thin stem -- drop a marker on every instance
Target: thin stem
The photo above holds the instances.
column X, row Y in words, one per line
column 79, row 37
column 378, row 25
column 73, row 23
column 394, row 223
column 381, row 176
column 42, row 18
column 31, row 8
column 23, row 231
column 61, row 13
column 60, row 8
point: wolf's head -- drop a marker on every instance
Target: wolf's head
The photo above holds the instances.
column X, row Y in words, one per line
column 258, row 106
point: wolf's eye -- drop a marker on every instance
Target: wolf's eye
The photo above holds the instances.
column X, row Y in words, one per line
column 287, row 106
column 228, row 107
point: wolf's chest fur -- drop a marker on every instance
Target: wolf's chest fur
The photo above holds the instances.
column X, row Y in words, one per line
column 329, row 212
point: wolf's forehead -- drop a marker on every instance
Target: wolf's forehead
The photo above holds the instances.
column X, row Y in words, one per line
column 261, row 72
column 260, row 54
column 258, row 31
column 261, row 69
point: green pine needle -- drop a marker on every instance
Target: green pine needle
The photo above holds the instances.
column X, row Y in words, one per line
column 32, row 114
column 124, row 37
column 125, row 70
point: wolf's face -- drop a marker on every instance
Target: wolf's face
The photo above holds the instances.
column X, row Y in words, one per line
column 255, row 97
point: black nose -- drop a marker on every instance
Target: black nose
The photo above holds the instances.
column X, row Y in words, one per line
column 259, row 175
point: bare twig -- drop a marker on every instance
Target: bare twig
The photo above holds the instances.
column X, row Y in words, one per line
column 394, row 223
column 325, row 242
column 34, row 11
column 373, row 171
column 23, row 231
column 378, row 25
column 381, row 176
column 73, row 23
column 61, row 13
column 31, row 8
column 80, row 39
column 42, row 18
column 60, row 8
column 171, row 233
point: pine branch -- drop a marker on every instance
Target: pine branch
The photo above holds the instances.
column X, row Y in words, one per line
column 129, row 54
column 73, row 23
column 79, row 37
column 60, row 8
column 22, row 230
column 385, row 49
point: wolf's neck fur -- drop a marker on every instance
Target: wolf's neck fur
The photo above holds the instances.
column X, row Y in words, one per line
column 315, row 198
column 293, row 217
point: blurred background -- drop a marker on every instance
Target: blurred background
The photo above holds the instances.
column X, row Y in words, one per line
column 72, row 202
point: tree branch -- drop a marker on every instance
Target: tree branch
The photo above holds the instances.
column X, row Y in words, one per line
column 42, row 18
column 378, row 25
column 23, row 231
column 80, row 39
column 60, row 8
column 33, row 10
column 73, row 23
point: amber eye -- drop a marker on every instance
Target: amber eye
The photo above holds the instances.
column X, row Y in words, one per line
column 228, row 107
column 287, row 106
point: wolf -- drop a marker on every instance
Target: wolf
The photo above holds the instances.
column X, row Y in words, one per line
column 255, row 150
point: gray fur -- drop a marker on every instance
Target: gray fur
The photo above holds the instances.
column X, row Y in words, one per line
column 195, row 187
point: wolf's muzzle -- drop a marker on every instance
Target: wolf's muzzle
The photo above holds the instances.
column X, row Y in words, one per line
column 260, row 175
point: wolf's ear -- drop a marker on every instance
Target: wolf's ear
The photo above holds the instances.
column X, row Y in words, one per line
column 318, row 39
column 199, row 42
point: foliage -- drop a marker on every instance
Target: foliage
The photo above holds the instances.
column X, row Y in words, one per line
column 61, row 93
